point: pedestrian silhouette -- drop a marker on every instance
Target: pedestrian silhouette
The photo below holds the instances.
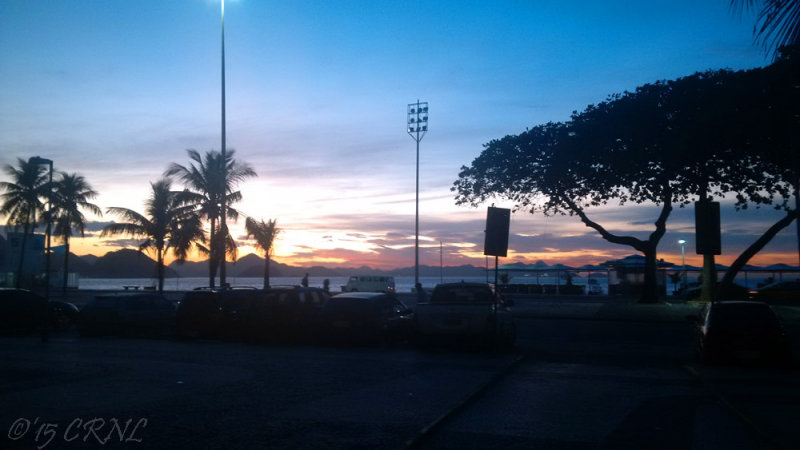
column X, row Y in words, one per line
column 305, row 281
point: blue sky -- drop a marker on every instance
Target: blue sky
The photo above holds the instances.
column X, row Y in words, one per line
column 316, row 101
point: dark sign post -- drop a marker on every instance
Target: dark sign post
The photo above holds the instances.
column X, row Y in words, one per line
column 708, row 242
column 707, row 228
column 498, row 221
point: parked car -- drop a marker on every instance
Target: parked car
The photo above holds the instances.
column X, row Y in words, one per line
column 369, row 283
column 200, row 311
column 365, row 317
column 464, row 312
column 786, row 292
column 740, row 331
column 123, row 314
column 22, row 310
column 286, row 313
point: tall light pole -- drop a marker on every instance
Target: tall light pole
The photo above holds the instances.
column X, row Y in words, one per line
column 41, row 161
column 223, row 227
column 683, row 262
column 417, row 127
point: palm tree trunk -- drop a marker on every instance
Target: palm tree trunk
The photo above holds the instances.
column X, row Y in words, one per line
column 212, row 252
column 18, row 281
column 160, row 270
column 66, row 266
column 266, row 271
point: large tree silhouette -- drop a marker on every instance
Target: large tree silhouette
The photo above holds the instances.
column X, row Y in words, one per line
column 71, row 195
column 666, row 143
column 264, row 233
column 170, row 223
column 774, row 142
column 21, row 201
column 205, row 178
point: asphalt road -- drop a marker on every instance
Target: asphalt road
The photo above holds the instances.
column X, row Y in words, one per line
column 574, row 382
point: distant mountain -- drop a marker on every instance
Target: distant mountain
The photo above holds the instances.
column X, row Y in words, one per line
column 132, row 264
column 77, row 264
column 89, row 259
column 126, row 264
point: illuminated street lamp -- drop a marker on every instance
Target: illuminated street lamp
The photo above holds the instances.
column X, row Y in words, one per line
column 417, row 127
column 683, row 262
column 42, row 161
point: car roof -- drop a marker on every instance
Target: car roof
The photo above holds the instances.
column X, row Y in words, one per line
column 294, row 288
column 360, row 295
column 224, row 288
column 462, row 283
column 742, row 303
column 126, row 295
column 8, row 289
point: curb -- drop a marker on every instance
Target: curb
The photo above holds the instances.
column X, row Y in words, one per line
column 426, row 432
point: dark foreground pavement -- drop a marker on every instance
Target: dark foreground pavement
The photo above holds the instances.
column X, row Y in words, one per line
column 587, row 373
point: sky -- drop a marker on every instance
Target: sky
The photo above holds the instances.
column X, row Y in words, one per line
column 316, row 101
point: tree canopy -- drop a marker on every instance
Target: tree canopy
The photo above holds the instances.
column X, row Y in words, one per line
column 170, row 222
column 668, row 143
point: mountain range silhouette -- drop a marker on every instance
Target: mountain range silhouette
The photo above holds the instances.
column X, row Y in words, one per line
column 127, row 263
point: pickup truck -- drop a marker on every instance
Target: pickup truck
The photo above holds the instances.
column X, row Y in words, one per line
column 465, row 312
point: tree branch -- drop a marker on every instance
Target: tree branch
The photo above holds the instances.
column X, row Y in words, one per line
column 631, row 241
column 754, row 248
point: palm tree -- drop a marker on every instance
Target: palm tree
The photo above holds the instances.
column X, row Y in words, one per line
column 21, row 201
column 778, row 22
column 204, row 178
column 264, row 234
column 169, row 223
column 71, row 194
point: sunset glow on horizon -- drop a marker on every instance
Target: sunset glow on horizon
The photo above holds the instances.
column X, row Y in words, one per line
column 316, row 104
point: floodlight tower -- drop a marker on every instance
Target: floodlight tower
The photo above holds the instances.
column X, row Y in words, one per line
column 417, row 127
column 223, row 227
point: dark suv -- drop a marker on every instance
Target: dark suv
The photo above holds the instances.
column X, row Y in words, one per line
column 199, row 312
column 286, row 313
column 122, row 314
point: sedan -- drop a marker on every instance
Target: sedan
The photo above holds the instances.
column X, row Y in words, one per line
column 741, row 331
column 148, row 314
column 365, row 317
column 23, row 310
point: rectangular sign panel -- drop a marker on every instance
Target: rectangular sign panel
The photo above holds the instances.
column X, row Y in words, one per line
column 498, row 221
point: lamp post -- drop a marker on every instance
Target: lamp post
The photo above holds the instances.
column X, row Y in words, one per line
column 223, row 227
column 683, row 262
column 417, row 127
column 41, row 161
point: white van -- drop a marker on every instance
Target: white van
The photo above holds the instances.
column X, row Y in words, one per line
column 369, row 283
